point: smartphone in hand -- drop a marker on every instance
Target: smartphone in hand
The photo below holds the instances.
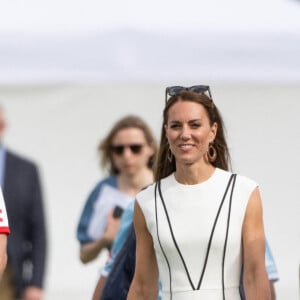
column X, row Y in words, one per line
column 118, row 211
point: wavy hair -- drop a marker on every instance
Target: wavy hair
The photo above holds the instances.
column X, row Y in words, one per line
column 163, row 167
column 129, row 121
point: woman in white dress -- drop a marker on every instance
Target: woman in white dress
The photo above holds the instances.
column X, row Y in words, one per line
column 199, row 224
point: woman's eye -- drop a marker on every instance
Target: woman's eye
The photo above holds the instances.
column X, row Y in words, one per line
column 174, row 126
column 195, row 125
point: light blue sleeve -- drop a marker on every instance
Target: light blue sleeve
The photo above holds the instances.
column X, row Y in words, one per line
column 126, row 221
column 159, row 297
column 270, row 264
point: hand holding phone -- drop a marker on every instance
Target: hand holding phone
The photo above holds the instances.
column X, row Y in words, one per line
column 118, row 211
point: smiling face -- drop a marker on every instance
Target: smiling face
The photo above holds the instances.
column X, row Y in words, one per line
column 189, row 132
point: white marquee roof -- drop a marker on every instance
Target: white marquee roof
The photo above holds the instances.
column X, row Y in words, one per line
column 158, row 40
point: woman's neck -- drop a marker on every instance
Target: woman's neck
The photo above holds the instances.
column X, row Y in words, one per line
column 193, row 174
column 132, row 184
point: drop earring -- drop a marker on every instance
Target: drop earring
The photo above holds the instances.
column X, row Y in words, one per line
column 170, row 155
column 211, row 153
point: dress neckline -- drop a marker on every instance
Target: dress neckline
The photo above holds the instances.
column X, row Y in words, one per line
column 197, row 185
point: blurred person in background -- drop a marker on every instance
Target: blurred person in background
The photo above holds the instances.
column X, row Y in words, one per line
column 4, row 231
column 117, row 274
column 127, row 152
column 26, row 245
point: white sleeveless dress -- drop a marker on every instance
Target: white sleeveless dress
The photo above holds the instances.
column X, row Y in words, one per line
column 198, row 250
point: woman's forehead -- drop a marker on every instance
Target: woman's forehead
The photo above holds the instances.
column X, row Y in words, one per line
column 186, row 109
column 129, row 134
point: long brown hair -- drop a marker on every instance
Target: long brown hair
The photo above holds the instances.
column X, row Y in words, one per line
column 129, row 121
column 164, row 167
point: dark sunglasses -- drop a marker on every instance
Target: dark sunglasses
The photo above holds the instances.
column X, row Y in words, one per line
column 134, row 148
column 175, row 90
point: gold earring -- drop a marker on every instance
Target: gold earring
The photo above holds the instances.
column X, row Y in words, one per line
column 211, row 153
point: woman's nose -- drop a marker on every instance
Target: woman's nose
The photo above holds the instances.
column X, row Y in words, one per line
column 127, row 152
column 185, row 133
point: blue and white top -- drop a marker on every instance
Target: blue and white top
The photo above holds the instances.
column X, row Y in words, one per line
column 101, row 201
column 270, row 264
column 125, row 224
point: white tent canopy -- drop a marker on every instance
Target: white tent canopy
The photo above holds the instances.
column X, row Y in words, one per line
column 233, row 40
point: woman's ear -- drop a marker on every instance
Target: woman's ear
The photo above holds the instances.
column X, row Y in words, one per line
column 214, row 129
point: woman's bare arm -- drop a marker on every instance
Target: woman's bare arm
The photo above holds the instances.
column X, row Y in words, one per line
column 256, row 282
column 144, row 285
column 91, row 250
column 99, row 288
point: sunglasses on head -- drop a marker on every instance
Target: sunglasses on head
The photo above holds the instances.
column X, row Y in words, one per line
column 175, row 90
column 134, row 148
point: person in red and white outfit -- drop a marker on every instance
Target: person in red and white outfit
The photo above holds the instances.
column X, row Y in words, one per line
column 4, row 231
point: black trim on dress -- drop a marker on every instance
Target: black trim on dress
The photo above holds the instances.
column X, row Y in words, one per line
column 158, row 185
